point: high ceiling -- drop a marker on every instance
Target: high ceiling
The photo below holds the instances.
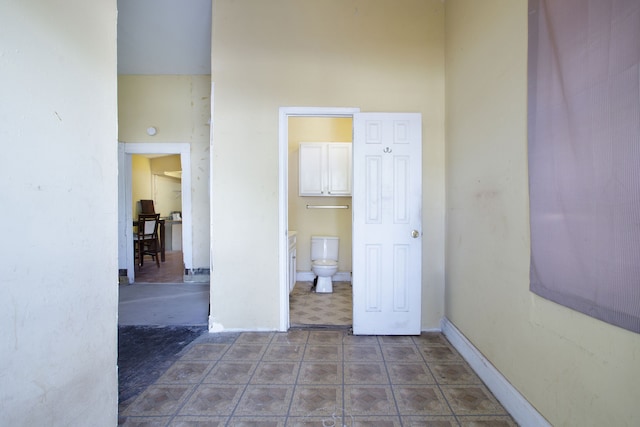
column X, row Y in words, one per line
column 164, row 36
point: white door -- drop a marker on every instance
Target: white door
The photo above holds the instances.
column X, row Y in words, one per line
column 387, row 225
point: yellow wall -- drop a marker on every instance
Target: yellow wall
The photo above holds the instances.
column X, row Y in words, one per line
column 143, row 170
column 179, row 107
column 322, row 222
column 170, row 163
column 140, row 182
column 577, row 371
column 377, row 55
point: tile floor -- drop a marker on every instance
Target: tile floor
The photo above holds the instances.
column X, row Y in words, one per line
column 316, row 377
column 307, row 308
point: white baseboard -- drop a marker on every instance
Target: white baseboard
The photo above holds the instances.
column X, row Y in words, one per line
column 308, row 276
column 517, row 406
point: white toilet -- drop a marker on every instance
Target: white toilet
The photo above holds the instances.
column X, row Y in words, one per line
column 324, row 261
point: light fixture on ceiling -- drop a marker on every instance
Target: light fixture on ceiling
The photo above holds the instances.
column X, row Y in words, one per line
column 151, row 131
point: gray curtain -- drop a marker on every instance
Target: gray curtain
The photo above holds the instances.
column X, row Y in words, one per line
column 584, row 156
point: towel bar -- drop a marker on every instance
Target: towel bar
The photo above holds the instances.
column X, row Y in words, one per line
column 327, row 206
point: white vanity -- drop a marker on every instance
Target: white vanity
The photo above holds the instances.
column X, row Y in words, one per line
column 292, row 259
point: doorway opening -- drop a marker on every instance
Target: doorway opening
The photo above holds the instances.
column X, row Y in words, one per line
column 156, row 187
column 386, row 219
column 172, row 197
column 298, row 303
column 176, row 303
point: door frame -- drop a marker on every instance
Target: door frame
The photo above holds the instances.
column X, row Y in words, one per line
column 283, row 191
column 125, row 216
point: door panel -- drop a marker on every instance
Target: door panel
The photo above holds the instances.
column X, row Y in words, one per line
column 387, row 227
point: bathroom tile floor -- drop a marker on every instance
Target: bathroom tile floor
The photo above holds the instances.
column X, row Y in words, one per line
column 316, row 377
column 308, row 308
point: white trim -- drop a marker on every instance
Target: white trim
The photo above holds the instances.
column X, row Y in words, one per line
column 125, row 252
column 514, row 402
column 212, row 323
column 283, row 147
column 184, row 150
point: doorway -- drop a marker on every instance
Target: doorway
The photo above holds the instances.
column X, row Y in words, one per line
column 156, row 187
column 387, row 223
column 327, row 215
column 284, row 183
column 126, row 258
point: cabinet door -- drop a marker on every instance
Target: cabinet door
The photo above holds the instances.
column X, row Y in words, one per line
column 292, row 261
column 292, row 269
column 312, row 165
column 338, row 169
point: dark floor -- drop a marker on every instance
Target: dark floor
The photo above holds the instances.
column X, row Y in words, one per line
column 170, row 271
column 146, row 352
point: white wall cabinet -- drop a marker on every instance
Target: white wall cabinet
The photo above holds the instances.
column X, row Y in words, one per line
column 325, row 169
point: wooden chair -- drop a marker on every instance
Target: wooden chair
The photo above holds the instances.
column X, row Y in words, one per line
column 146, row 240
column 146, row 207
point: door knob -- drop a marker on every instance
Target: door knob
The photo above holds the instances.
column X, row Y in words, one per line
column 415, row 234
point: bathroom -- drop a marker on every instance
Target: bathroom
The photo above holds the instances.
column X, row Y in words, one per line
column 318, row 215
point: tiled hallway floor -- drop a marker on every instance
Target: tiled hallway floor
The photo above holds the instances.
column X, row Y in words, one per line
column 308, row 377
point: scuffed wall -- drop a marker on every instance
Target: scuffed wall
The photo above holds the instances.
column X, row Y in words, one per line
column 575, row 370
column 58, row 275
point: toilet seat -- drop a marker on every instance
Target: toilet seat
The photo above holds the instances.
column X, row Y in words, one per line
column 324, row 263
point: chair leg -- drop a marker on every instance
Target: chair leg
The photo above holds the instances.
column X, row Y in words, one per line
column 141, row 253
column 156, row 252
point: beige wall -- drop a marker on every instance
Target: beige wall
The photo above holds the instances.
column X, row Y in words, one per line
column 140, row 182
column 179, row 107
column 160, row 165
column 321, row 222
column 160, row 189
column 167, row 190
column 376, row 55
column 577, row 371
column 59, row 273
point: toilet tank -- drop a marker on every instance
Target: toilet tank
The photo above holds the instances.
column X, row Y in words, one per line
column 324, row 247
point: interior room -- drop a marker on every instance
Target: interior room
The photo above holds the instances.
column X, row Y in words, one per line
column 72, row 112
column 156, row 181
